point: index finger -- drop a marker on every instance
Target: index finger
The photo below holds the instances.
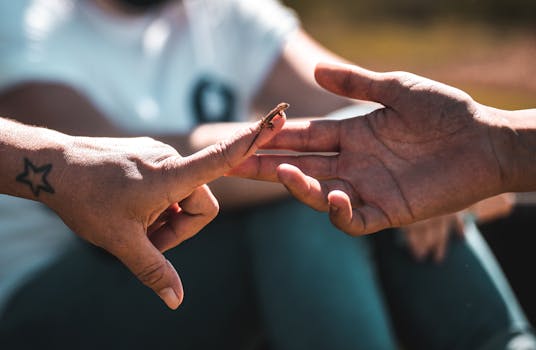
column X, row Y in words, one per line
column 309, row 136
column 214, row 161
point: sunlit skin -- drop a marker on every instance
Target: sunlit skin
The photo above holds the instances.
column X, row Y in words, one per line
column 134, row 197
column 431, row 150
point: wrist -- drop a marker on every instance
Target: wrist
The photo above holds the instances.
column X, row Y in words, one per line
column 30, row 158
column 513, row 135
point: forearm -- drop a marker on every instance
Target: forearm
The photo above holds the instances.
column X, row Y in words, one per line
column 62, row 108
column 292, row 80
column 29, row 157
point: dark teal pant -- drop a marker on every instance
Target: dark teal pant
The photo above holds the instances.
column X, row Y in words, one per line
column 274, row 277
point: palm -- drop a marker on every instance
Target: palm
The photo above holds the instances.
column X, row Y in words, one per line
column 402, row 163
column 398, row 161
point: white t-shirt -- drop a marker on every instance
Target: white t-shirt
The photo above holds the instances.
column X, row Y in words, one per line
column 162, row 72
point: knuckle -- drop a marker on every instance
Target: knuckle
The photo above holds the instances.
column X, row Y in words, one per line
column 396, row 84
column 221, row 149
column 153, row 274
column 210, row 205
column 213, row 209
column 146, row 140
column 400, row 76
column 165, row 148
column 399, row 79
column 169, row 149
column 394, row 79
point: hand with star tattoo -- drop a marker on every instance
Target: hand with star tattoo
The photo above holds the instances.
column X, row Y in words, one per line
column 36, row 177
column 134, row 197
column 430, row 150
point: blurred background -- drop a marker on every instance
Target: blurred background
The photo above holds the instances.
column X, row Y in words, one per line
column 485, row 47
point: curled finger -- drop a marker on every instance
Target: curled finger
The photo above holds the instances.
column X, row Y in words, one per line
column 355, row 221
column 195, row 212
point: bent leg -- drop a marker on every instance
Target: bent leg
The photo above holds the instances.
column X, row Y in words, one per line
column 88, row 300
column 462, row 303
column 316, row 286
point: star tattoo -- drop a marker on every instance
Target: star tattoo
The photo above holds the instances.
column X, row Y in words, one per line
column 36, row 177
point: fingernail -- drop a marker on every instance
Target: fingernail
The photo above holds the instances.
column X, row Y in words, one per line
column 169, row 296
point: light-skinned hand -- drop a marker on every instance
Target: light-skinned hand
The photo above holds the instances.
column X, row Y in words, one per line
column 137, row 197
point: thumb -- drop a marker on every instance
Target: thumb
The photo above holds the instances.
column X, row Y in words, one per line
column 152, row 269
column 358, row 83
column 214, row 161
